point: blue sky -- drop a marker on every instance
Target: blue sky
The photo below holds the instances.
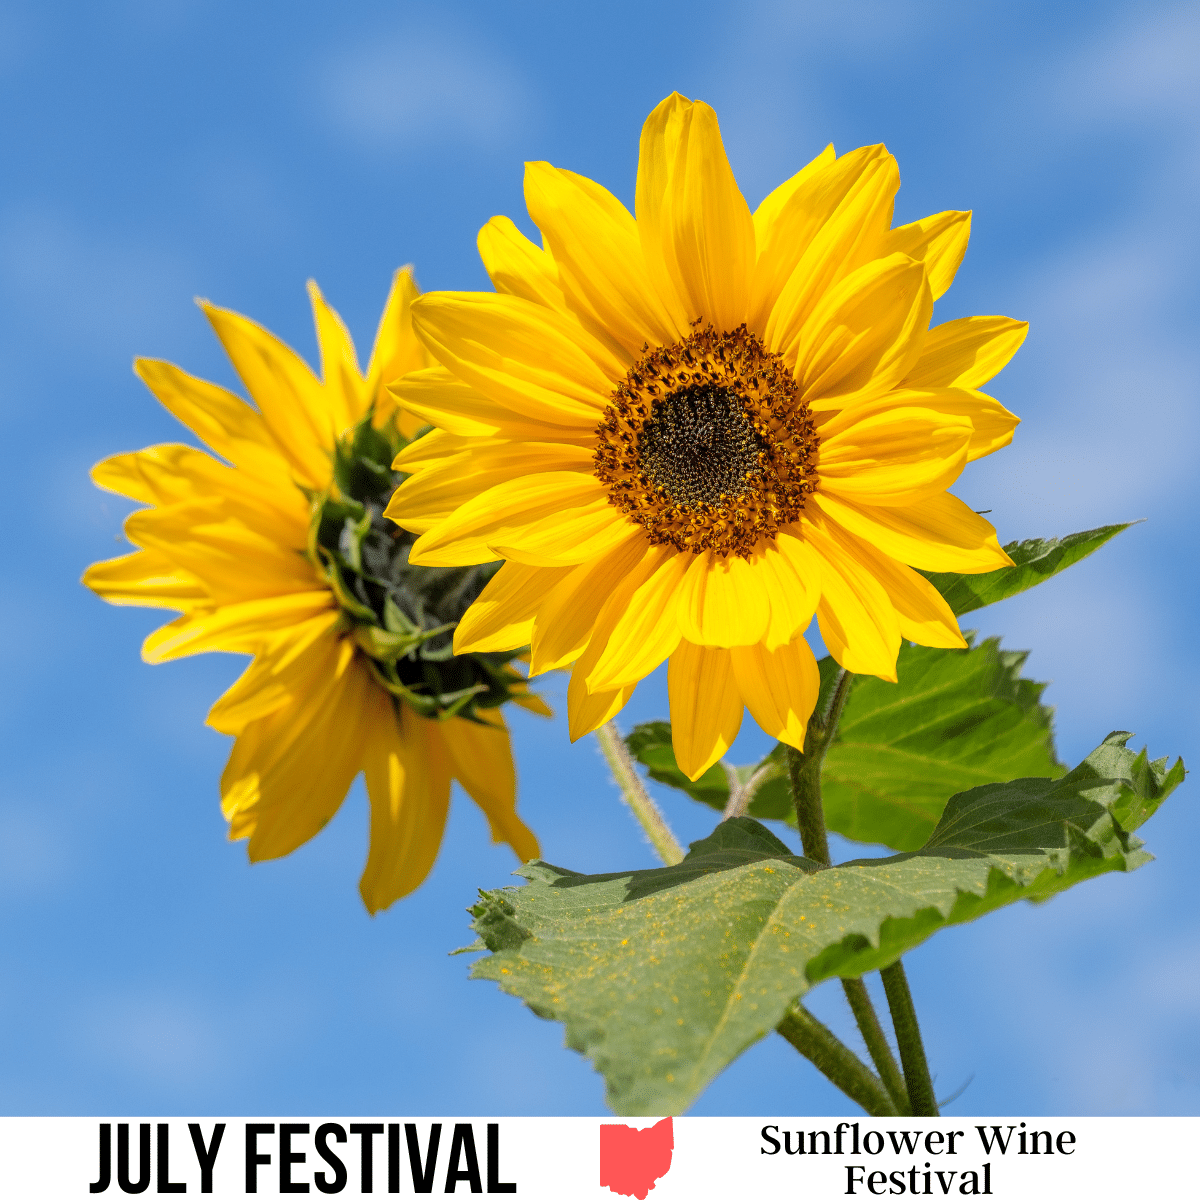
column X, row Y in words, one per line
column 157, row 150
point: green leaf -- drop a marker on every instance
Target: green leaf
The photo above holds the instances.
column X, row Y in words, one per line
column 955, row 719
column 1034, row 561
column 663, row 977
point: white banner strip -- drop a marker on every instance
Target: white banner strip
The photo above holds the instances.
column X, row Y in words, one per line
column 561, row 1158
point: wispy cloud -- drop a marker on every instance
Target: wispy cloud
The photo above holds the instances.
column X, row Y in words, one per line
column 421, row 87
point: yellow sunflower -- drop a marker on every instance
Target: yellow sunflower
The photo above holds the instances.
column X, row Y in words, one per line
column 278, row 548
column 690, row 431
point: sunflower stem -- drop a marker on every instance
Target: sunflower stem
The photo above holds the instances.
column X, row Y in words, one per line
column 908, row 1038
column 836, row 1061
column 648, row 814
column 804, row 773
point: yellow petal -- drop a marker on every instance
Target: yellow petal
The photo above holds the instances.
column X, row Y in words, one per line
column 723, row 602
column 813, row 198
column 858, row 623
column 482, row 761
column 289, row 772
column 779, row 687
column 791, row 593
column 433, row 495
column 288, row 395
column 233, row 627
column 234, row 561
column 571, row 536
column 937, row 534
column 568, row 613
column 966, row 353
column 147, row 578
column 895, row 457
column 595, row 245
column 408, row 783
column 502, row 617
column 708, row 228
column 587, row 711
column 706, row 706
column 345, row 390
column 768, row 213
column 500, row 516
column 290, row 662
column 866, row 333
column 657, row 155
column 171, row 474
column 851, row 236
column 517, row 267
column 397, row 351
column 438, row 397
column 223, row 421
column 532, row 360
column 992, row 425
column 924, row 616
column 636, row 630
column 939, row 242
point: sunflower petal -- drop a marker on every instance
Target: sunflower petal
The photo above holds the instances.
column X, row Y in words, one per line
column 530, row 359
column 288, row 394
column 895, row 457
column 792, row 595
column 397, row 351
column 866, row 333
column 637, row 630
column 858, row 623
column 481, row 756
column 148, row 578
column 939, row 242
column 594, row 241
column 567, row 615
column 722, row 602
column 923, row 615
column 587, row 711
column 706, row 706
column 408, row 783
column 344, row 388
column 436, row 492
column 500, row 515
column 708, row 225
column 940, row 533
column 966, row 353
column 502, row 616
column 779, row 687
column 819, row 191
column 517, row 267
column 768, row 213
column 233, row 627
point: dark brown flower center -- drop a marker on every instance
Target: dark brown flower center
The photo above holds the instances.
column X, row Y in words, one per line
column 707, row 444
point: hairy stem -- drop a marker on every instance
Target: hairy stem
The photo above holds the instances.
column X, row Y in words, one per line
column 648, row 813
column 908, row 1038
column 804, row 772
column 836, row 1061
column 877, row 1043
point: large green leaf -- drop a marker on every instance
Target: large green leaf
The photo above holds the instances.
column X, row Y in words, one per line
column 663, row 977
column 956, row 719
column 1034, row 561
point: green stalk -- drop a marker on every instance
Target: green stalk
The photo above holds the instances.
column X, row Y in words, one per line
column 836, row 1061
column 648, row 814
column 908, row 1038
column 804, row 772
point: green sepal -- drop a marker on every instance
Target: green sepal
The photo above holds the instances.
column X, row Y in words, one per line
column 663, row 977
column 1034, row 561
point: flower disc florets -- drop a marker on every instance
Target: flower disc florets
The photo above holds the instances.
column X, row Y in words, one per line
column 403, row 616
column 708, row 445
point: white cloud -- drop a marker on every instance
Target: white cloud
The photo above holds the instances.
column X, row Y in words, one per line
column 420, row 87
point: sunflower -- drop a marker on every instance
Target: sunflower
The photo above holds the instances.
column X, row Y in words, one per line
column 281, row 551
column 689, row 432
